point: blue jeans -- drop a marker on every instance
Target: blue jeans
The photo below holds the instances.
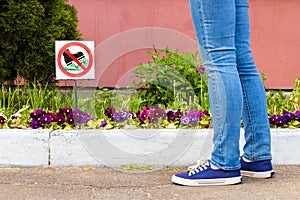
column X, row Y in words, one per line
column 236, row 90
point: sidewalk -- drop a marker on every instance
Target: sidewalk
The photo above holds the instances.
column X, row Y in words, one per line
column 106, row 183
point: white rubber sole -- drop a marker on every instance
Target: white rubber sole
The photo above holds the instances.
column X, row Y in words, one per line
column 206, row 182
column 266, row 174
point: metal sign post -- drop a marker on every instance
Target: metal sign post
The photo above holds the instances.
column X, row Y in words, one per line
column 75, row 61
column 75, row 94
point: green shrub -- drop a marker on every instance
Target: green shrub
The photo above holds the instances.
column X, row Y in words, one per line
column 29, row 29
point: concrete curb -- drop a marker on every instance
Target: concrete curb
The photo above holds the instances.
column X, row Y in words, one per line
column 25, row 148
column 114, row 148
column 117, row 147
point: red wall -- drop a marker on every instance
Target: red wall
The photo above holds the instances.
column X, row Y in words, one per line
column 276, row 40
column 124, row 30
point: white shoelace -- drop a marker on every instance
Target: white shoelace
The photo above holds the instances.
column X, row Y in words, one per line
column 199, row 167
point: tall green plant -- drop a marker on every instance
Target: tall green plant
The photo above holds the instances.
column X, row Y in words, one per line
column 294, row 97
column 170, row 78
column 278, row 100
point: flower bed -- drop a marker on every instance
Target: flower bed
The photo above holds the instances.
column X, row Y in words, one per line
column 156, row 117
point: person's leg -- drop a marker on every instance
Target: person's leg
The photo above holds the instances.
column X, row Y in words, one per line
column 256, row 160
column 214, row 23
column 255, row 114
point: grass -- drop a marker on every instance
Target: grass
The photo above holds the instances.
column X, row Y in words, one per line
column 15, row 98
column 135, row 167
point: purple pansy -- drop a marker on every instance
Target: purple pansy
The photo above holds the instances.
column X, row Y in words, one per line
column 171, row 115
column 103, row 123
column 200, row 69
column 53, row 116
column 297, row 114
column 46, row 119
column 70, row 119
column 281, row 121
column 109, row 112
column 2, row 119
column 195, row 115
column 284, row 119
column 178, row 113
column 121, row 116
column 35, row 124
column 39, row 118
column 15, row 117
column 288, row 116
column 65, row 110
column 155, row 114
column 277, row 120
column 206, row 113
column 130, row 115
column 60, row 118
column 185, row 120
column 273, row 120
column 144, row 114
column 37, row 113
column 81, row 117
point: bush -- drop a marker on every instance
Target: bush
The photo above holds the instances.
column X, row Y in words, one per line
column 29, row 29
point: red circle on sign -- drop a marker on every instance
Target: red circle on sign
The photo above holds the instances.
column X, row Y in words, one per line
column 64, row 48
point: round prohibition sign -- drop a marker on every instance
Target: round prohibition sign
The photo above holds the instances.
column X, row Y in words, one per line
column 64, row 50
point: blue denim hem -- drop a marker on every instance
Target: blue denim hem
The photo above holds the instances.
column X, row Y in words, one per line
column 225, row 167
column 260, row 158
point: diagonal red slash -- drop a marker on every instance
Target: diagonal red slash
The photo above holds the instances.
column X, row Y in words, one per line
column 74, row 59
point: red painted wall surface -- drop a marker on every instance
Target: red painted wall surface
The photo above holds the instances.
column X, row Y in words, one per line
column 124, row 30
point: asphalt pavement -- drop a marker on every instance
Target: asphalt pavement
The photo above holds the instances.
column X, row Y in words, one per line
column 107, row 183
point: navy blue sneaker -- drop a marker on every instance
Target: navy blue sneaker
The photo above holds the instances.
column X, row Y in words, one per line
column 257, row 169
column 206, row 174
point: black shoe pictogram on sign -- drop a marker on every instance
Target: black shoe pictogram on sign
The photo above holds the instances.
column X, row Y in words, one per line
column 79, row 55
